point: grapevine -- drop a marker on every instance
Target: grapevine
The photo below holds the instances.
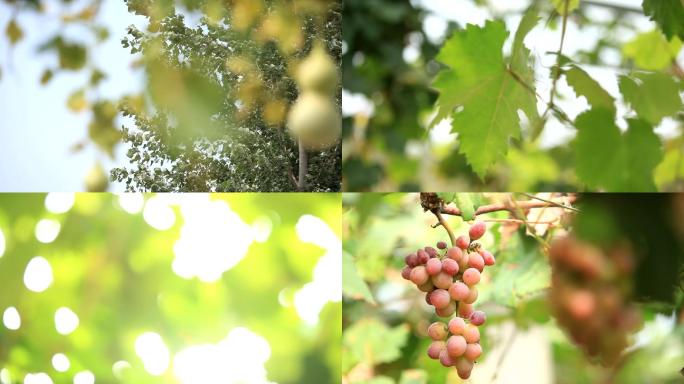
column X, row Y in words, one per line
column 449, row 276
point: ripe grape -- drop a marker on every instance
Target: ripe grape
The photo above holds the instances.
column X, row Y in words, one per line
column 427, row 287
column 472, row 351
column 441, row 245
column 406, row 272
column 478, row 318
column 433, row 266
column 471, row 276
column 472, row 296
column 456, row 345
column 459, row 291
column 462, row 242
column 431, row 252
column 450, row 267
column 464, row 367
column 454, row 253
column 437, row 331
column 448, row 311
column 463, row 263
column 435, row 348
column 581, row 304
column 471, row 333
column 419, row 275
column 442, row 280
column 477, row 230
column 456, row 326
column 487, row 257
column 411, row 260
column 445, row 359
column 440, row 298
column 422, row 256
column 465, row 310
column 476, row 261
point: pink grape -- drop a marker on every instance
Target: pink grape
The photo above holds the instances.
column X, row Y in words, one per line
column 431, row 252
column 419, row 275
column 476, row 261
column 442, row 280
column 427, row 286
column 465, row 310
column 459, row 291
column 435, row 348
column 445, row 359
column 456, row 326
column 488, row 257
column 471, row 276
column 422, row 257
column 463, row 242
column 441, row 245
column 463, row 263
column 456, row 345
column 406, row 272
column 471, row 334
column 448, row 311
column 464, row 367
column 472, row 296
column 450, row 267
column 440, row 298
column 454, row 253
column 478, row 318
column 477, row 230
column 433, row 266
column 472, row 351
column 411, row 260
column 437, row 331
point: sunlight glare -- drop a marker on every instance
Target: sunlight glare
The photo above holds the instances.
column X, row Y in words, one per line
column 213, row 239
column 59, row 202
column 158, row 214
column 153, row 352
column 119, row 368
column 84, row 377
column 66, row 321
column 262, row 228
column 37, row 378
column 47, row 230
column 132, row 202
column 5, row 377
column 38, row 274
column 11, row 318
column 238, row 358
column 60, row 362
column 2, row 243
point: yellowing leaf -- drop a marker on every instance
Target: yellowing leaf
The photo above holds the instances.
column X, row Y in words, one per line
column 652, row 51
column 563, row 6
column 14, row 32
column 77, row 101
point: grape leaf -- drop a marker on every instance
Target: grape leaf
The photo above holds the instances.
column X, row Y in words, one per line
column 607, row 159
column 482, row 92
column 373, row 342
column 585, row 86
column 668, row 14
column 652, row 95
column 652, row 51
column 560, row 5
column 464, row 202
column 352, row 284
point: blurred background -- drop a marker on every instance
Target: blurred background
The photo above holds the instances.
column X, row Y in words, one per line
column 389, row 64
column 620, row 257
column 196, row 288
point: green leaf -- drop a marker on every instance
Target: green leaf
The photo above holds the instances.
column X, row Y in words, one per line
column 607, row 159
column 352, row 284
column 447, row 197
column 652, row 51
column 71, row 56
column 481, row 94
column 14, row 32
column 584, row 85
column 46, row 77
column 561, row 6
column 373, row 342
column 668, row 14
column 464, row 202
column 653, row 96
column 77, row 101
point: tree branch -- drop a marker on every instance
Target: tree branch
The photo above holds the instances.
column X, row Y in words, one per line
column 510, row 206
column 614, row 7
column 303, row 159
column 446, row 226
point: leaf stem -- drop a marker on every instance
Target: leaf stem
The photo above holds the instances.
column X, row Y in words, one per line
column 445, row 225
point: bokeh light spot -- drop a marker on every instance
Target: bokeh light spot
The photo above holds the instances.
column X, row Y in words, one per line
column 37, row 378
column 119, row 368
column 132, row 202
column 2, row 243
column 5, row 377
column 59, row 202
column 47, row 230
column 153, row 352
column 158, row 214
column 84, row 377
column 66, row 321
column 11, row 318
column 60, row 362
column 38, row 274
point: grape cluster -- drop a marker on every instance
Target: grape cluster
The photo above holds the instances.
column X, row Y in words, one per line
column 589, row 296
column 448, row 276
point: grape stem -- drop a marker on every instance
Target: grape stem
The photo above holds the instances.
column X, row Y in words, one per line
column 509, row 206
column 445, row 225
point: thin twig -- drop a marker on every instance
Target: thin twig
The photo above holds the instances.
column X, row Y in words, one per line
column 446, row 226
column 504, row 353
column 554, row 203
column 520, row 221
column 508, row 206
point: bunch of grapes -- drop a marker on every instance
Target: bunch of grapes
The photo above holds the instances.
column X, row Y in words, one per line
column 448, row 276
column 589, row 296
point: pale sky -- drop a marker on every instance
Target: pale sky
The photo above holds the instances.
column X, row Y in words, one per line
column 540, row 40
column 36, row 128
